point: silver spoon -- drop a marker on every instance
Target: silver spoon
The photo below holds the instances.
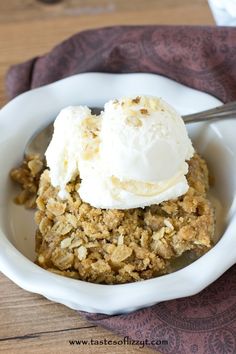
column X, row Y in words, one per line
column 40, row 140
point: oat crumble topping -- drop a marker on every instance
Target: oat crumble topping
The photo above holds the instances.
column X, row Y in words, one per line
column 77, row 240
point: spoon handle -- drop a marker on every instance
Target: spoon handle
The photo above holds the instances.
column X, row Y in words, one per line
column 224, row 111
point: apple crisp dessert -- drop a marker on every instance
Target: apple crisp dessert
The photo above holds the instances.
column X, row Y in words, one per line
column 79, row 241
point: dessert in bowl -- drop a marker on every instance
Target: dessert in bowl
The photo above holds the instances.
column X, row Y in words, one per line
column 122, row 194
column 119, row 257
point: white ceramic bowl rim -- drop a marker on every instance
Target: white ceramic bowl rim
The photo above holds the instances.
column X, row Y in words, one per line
column 87, row 296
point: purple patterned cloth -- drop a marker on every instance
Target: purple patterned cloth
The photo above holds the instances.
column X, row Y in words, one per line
column 201, row 324
column 200, row 57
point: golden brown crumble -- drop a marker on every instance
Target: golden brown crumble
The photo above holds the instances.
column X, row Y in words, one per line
column 136, row 99
column 116, row 246
column 27, row 176
column 144, row 111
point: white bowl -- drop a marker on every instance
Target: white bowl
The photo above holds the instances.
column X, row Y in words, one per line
column 30, row 111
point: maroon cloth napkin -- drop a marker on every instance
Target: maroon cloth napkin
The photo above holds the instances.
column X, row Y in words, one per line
column 200, row 57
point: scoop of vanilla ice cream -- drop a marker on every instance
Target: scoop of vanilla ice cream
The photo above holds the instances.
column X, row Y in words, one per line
column 133, row 155
column 143, row 139
column 74, row 142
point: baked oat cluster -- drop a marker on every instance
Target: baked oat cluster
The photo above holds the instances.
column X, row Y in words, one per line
column 117, row 246
column 27, row 176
